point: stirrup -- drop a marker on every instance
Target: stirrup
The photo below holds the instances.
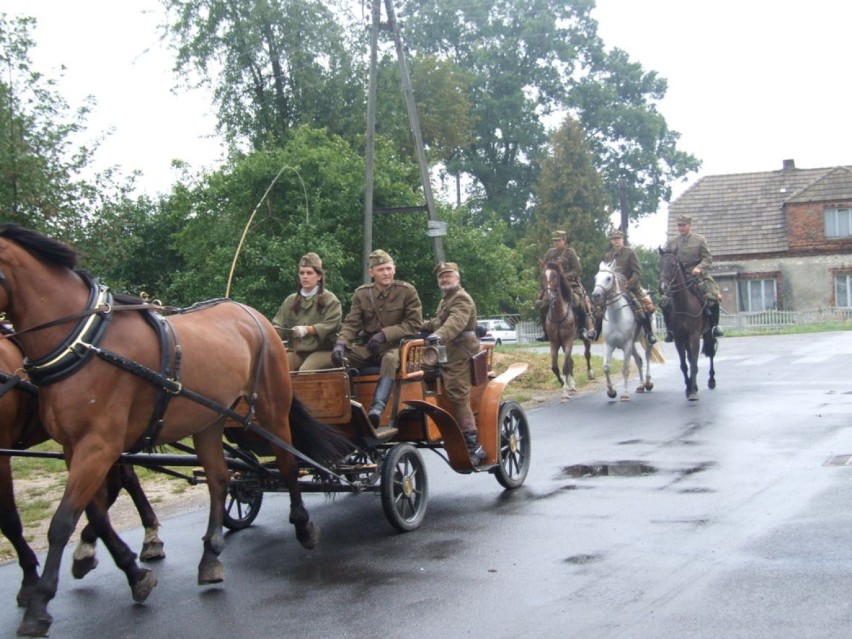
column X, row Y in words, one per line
column 652, row 339
column 669, row 337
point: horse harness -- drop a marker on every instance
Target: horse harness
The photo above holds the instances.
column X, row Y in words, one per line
column 553, row 296
column 690, row 284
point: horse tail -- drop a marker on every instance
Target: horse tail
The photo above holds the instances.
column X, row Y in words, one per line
column 321, row 442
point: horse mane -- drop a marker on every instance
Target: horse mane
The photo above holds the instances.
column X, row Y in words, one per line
column 41, row 247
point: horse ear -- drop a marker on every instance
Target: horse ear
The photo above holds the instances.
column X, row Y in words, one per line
column 541, row 264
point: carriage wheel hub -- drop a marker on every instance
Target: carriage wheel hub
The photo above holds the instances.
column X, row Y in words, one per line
column 513, row 443
column 407, row 486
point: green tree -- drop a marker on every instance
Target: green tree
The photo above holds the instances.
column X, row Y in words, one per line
column 570, row 196
column 40, row 164
column 634, row 149
column 272, row 65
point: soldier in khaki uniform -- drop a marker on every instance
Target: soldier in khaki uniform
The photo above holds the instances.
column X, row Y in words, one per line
column 624, row 261
column 382, row 313
column 692, row 252
column 571, row 285
column 309, row 318
column 454, row 325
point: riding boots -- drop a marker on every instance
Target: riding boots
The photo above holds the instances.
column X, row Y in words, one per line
column 649, row 330
column 474, row 448
column 716, row 331
column 380, row 400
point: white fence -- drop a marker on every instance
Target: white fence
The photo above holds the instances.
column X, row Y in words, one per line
column 529, row 331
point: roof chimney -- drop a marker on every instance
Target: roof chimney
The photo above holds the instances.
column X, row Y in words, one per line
column 789, row 165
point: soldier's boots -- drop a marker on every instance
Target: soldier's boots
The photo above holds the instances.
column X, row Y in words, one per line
column 712, row 311
column 380, row 400
column 649, row 331
column 474, row 448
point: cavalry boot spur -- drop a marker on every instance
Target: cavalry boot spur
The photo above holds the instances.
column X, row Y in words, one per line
column 474, row 448
column 380, row 400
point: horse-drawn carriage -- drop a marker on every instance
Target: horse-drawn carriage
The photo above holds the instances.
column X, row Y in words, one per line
column 115, row 375
column 386, row 459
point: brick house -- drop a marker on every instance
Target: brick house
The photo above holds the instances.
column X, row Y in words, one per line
column 780, row 239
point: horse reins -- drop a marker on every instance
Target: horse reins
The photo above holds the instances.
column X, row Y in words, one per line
column 553, row 297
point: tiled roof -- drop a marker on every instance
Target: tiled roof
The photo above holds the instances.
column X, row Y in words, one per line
column 743, row 212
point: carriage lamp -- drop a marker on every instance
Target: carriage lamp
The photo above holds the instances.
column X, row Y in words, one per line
column 433, row 356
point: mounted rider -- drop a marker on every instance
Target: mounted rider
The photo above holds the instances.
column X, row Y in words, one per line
column 624, row 260
column 566, row 256
column 691, row 250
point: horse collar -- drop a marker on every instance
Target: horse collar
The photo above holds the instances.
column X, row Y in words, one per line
column 72, row 354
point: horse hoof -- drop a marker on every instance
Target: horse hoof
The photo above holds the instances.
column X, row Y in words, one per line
column 142, row 588
column 592, row 376
column 611, row 393
column 640, row 389
column 152, row 551
column 83, row 566
column 693, row 397
column 211, row 573
column 711, row 384
column 35, row 627
column 625, row 397
column 309, row 535
column 649, row 386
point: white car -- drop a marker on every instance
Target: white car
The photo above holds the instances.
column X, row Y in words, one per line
column 498, row 331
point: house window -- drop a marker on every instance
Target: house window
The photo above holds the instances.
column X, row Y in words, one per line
column 843, row 290
column 838, row 222
column 756, row 295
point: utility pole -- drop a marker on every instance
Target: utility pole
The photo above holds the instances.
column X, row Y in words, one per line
column 436, row 228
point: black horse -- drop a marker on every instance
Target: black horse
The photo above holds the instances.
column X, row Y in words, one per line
column 688, row 321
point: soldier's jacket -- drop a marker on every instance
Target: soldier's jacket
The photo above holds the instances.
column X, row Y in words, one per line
column 325, row 320
column 455, row 324
column 396, row 311
column 692, row 251
column 566, row 256
column 627, row 264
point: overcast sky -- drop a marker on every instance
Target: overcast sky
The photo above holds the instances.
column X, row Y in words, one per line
column 751, row 82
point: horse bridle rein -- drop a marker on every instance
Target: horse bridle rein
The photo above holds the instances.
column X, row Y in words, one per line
column 553, row 294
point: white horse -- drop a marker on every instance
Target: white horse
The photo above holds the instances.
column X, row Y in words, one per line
column 621, row 329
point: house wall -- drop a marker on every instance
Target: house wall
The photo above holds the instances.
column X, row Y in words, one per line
column 804, row 283
column 806, row 228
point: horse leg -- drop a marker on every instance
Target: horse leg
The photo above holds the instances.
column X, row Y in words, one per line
column 692, row 394
column 84, row 555
column 587, row 353
column 554, row 362
column 208, row 447
column 86, row 474
column 610, row 391
column 570, row 385
column 141, row 580
column 625, row 375
column 684, row 367
column 152, row 545
column 10, row 525
column 649, row 385
column 710, row 351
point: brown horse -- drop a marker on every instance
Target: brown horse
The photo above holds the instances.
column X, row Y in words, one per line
column 688, row 322
column 561, row 328
column 20, row 429
column 109, row 381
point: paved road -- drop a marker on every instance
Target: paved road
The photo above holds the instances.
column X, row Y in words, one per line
column 654, row 518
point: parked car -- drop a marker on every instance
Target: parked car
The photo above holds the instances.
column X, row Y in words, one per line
column 498, row 331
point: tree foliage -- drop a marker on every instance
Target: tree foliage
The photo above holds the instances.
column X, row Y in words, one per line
column 40, row 183
column 272, row 64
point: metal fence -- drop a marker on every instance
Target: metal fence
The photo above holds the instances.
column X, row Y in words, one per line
column 529, row 331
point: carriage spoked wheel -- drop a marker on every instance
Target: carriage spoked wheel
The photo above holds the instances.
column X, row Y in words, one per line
column 514, row 433
column 404, row 487
column 242, row 503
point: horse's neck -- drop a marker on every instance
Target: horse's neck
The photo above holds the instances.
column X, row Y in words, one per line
column 47, row 294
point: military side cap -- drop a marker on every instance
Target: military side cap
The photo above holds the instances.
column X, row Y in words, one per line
column 616, row 234
column 559, row 235
column 379, row 257
column 311, row 260
column 443, row 267
column 684, row 219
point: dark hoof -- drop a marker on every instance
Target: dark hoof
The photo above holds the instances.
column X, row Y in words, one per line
column 152, row 551
column 649, row 386
column 142, row 588
column 82, row 567
column 611, row 393
column 25, row 594
column 308, row 535
column 693, row 397
column 35, row 627
column 211, row 573
column 711, row 384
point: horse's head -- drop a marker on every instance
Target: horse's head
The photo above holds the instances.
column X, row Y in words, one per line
column 606, row 282
column 669, row 269
column 550, row 280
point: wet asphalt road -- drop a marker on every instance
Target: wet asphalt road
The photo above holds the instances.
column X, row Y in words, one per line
column 728, row 517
